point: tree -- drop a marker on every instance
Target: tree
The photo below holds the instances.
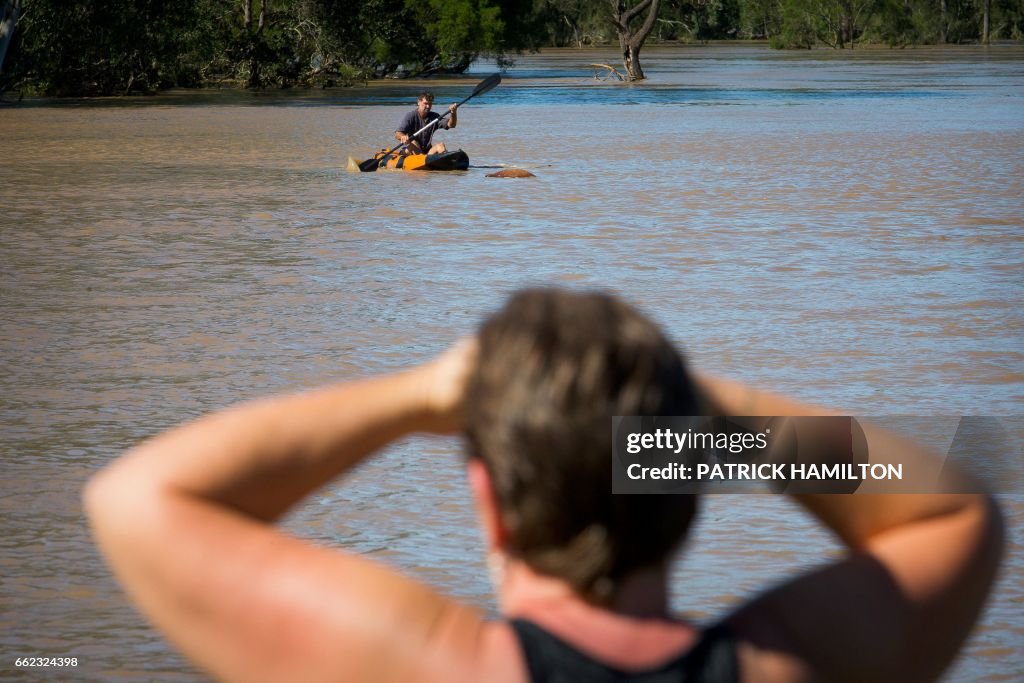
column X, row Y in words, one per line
column 575, row 22
column 115, row 47
column 77, row 47
column 415, row 37
column 837, row 23
column 254, row 47
column 632, row 39
column 8, row 21
column 760, row 18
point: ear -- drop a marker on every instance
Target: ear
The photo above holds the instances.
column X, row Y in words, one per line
column 495, row 533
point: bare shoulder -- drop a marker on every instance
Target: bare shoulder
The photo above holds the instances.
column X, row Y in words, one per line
column 366, row 622
column 248, row 603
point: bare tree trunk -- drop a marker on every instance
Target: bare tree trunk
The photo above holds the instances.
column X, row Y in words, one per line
column 254, row 38
column 849, row 23
column 984, row 22
column 629, row 41
column 945, row 21
column 8, row 20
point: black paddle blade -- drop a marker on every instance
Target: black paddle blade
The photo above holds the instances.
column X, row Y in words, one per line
column 486, row 84
column 369, row 165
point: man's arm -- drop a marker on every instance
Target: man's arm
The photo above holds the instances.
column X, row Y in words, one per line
column 184, row 521
column 903, row 601
column 453, row 120
column 405, row 129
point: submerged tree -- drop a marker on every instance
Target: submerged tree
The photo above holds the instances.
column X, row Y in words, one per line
column 632, row 39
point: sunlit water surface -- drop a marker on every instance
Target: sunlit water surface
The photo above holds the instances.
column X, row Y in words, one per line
column 843, row 227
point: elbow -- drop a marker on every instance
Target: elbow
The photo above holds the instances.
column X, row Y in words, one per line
column 113, row 500
column 102, row 502
column 104, row 513
column 125, row 517
column 94, row 494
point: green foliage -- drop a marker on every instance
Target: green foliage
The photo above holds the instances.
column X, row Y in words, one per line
column 705, row 19
column 575, row 23
column 799, row 26
column 373, row 39
column 89, row 48
column 897, row 23
column 458, row 29
column 1007, row 20
column 760, row 19
column 896, row 26
column 83, row 47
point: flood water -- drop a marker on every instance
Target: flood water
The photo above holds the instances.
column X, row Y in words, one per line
column 843, row 227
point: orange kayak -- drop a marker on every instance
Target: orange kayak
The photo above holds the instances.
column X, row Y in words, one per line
column 449, row 161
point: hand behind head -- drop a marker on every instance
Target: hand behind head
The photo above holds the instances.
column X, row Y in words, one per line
column 444, row 384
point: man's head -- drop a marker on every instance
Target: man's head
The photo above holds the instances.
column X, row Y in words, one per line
column 424, row 102
column 553, row 368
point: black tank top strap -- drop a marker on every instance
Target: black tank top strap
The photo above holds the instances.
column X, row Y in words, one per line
column 549, row 659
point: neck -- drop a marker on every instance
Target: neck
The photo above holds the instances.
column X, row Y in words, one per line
column 635, row 630
column 642, row 595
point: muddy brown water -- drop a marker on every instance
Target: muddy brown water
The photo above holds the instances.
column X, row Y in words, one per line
column 843, row 227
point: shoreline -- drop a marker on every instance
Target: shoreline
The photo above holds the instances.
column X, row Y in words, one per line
column 586, row 54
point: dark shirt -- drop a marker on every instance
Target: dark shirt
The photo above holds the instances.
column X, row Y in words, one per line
column 551, row 660
column 412, row 122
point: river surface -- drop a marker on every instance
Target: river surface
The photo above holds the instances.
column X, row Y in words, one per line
column 846, row 227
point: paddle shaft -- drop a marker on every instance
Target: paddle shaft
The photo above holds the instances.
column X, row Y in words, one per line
column 484, row 86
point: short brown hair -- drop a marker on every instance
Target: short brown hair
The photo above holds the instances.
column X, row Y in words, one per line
column 553, row 368
column 425, row 95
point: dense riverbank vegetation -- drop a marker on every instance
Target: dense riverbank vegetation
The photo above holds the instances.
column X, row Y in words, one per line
column 79, row 47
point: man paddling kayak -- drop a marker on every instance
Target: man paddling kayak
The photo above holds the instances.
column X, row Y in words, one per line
column 418, row 119
column 421, row 137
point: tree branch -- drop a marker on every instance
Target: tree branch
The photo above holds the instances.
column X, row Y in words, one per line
column 645, row 30
column 629, row 15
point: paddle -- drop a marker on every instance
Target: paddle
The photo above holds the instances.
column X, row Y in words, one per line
column 485, row 85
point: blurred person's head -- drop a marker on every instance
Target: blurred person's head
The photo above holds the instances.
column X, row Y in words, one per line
column 553, row 368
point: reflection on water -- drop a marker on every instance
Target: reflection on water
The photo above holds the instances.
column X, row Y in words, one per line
column 845, row 227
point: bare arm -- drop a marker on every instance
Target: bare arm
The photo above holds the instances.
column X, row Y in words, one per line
column 183, row 520
column 904, row 600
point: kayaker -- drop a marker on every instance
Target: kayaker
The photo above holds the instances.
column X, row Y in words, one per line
column 186, row 521
column 417, row 119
